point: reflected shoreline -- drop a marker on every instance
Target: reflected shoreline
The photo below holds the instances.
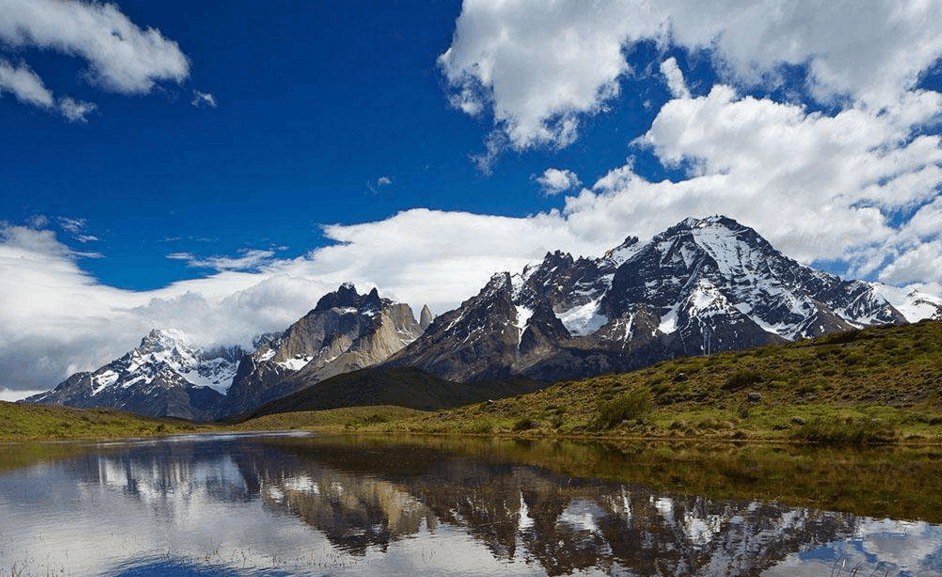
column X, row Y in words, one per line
column 350, row 504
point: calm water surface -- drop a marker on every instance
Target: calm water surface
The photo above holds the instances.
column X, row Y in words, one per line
column 290, row 505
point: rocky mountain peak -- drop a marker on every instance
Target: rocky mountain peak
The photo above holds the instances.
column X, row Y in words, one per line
column 624, row 251
column 345, row 331
column 165, row 376
column 371, row 303
column 346, row 296
column 499, row 282
column 164, row 340
column 701, row 286
column 425, row 317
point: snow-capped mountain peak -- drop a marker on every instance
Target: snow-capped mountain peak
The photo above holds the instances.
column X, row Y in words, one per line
column 914, row 304
column 701, row 286
column 165, row 375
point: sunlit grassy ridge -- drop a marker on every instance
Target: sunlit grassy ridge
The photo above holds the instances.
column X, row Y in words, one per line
column 329, row 419
column 876, row 385
column 19, row 422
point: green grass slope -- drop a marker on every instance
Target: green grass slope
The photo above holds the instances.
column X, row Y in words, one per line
column 23, row 422
column 404, row 387
column 877, row 385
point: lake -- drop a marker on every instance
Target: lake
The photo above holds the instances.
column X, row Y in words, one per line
column 282, row 504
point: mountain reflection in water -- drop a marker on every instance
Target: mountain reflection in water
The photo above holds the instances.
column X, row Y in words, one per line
column 319, row 506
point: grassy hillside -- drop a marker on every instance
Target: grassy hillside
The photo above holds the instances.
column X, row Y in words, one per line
column 877, row 385
column 403, row 387
column 34, row 422
column 329, row 419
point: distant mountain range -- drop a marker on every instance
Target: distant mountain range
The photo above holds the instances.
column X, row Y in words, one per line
column 702, row 286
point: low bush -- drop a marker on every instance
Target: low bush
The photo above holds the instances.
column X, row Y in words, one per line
column 847, row 432
column 634, row 404
column 742, row 378
column 523, row 424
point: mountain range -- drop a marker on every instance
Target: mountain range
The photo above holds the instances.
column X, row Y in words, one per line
column 702, row 286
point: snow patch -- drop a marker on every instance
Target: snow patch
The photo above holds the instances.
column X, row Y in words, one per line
column 668, row 322
column 623, row 253
column 104, row 380
column 523, row 317
column 296, row 363
column 584, row 319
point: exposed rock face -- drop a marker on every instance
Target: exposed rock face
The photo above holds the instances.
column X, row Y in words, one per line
column 702, row 286
column 166, row 376
column 346, row 331
column 425, row 318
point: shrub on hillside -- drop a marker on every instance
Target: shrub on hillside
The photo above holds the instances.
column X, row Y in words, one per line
column 743, row 378
column 847, row 432
column 634, row 404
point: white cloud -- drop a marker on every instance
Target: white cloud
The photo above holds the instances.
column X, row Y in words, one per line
column 12, row 396
column 541, row 65
column 250, row 259
column 24, row 84
column 72, row 225
column 76, row 111
column 29, row 89
column 201, row 99
column 675, row 78
column 37, row 220
column 818, row 187
column 380, row 182
column 555, row 181
column 535, row 64
column 121, row 56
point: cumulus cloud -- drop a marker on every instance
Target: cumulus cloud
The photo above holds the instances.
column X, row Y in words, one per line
column 384, row 181
column 535, row 64
column 76, row 111
column 121, row 56
column 28, row 88
column 858, row 187
column 555, row 181
column 24, row 84
column 540, row 66
column 675, row 78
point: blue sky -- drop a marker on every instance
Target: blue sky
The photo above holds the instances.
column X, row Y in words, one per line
column 324, row 113
column 217, row 167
